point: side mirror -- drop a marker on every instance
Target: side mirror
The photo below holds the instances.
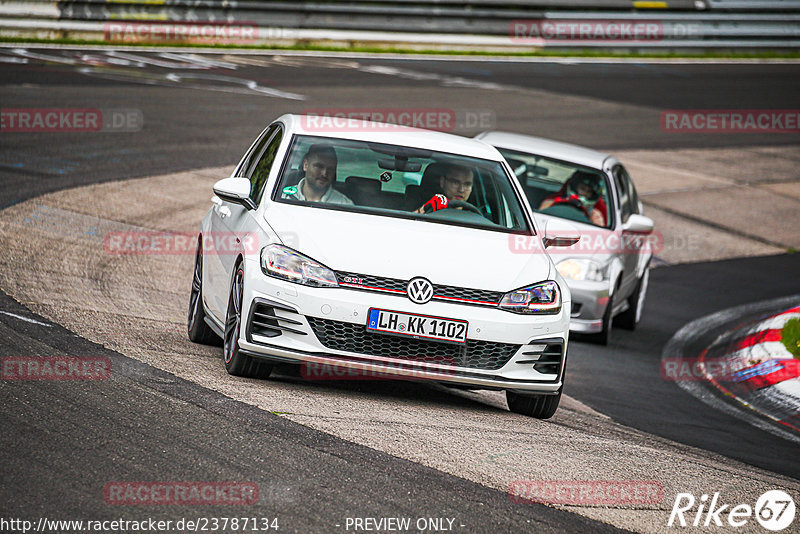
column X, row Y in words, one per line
column 559, row 233
column 236, row 190
column 638, row 224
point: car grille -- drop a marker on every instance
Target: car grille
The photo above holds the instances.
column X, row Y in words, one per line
column 462, row 295
column 350, row 337
column 367, row 282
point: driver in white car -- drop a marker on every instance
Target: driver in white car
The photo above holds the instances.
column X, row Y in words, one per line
column 455, row 183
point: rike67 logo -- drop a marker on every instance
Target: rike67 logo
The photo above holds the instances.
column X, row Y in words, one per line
column 774, row 510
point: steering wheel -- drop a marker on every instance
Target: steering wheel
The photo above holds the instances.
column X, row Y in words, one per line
column 465, row 205
column 572, row 202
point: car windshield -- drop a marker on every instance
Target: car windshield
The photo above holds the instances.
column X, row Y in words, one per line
column 402, row 182
column 562, row 189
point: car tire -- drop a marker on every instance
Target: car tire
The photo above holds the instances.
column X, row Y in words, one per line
column 236, row 363
column 631, row 317
column 603, row 337
column 538, row 406
column 199, row 331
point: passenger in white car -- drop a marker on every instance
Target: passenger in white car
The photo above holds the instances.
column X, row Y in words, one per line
column 319, row 166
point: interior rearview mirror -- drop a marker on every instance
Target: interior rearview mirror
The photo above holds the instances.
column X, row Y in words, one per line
column 399, row 164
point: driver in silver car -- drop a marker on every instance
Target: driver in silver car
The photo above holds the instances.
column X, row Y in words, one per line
column 582, row 190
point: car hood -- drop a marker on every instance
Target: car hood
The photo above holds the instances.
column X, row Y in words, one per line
column 404, row 248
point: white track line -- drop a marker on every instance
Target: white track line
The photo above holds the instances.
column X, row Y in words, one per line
column 26, row 319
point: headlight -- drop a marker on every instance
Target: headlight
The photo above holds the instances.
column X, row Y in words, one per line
column 581, row 269
column 543, row 298
column 285, row 263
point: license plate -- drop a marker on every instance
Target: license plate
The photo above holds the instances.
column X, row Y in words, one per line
column 417, row 326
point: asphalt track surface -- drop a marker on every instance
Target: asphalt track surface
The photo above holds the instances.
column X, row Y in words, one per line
column 60, row 447
column 633, row 392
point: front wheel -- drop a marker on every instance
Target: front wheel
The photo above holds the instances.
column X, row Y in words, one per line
column 236, row 363
column 631, row 317
column 603, row 337
column 538, row 406
column 199, row 331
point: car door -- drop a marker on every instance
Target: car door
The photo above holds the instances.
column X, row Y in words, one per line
column 231, row 222
column 631, row 248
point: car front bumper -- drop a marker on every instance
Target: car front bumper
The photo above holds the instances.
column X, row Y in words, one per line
column 287, row 328
column 589, row 302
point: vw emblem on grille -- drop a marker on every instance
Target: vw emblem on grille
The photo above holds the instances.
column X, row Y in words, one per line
column 419, row 290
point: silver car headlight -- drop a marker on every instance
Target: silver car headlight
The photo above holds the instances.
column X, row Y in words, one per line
column 285, row 263
column 539, row 299
column 581, row 269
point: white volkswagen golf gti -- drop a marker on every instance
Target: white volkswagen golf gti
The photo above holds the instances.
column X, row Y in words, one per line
column 383, row 249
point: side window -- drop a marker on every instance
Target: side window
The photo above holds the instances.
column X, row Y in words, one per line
column 636, row 204
column 622, row 183
column 263, row 157
column 252, row 154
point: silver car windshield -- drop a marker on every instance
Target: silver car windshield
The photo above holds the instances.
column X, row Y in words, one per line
column 398, row 181
column 562, row 189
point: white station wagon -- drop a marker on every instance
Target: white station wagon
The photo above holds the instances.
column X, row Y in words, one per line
column 382, row 249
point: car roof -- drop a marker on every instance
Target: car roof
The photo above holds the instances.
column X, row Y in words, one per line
column 545, row 147
column 379, row 132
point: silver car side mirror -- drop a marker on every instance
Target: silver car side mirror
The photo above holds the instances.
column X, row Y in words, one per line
column 638, row 224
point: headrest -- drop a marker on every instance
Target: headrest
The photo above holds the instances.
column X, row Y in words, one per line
column 363, row 184
column 429, row 185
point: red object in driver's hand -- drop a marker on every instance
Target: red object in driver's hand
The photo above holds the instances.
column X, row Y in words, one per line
column 437, row 202
column 572, row 199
